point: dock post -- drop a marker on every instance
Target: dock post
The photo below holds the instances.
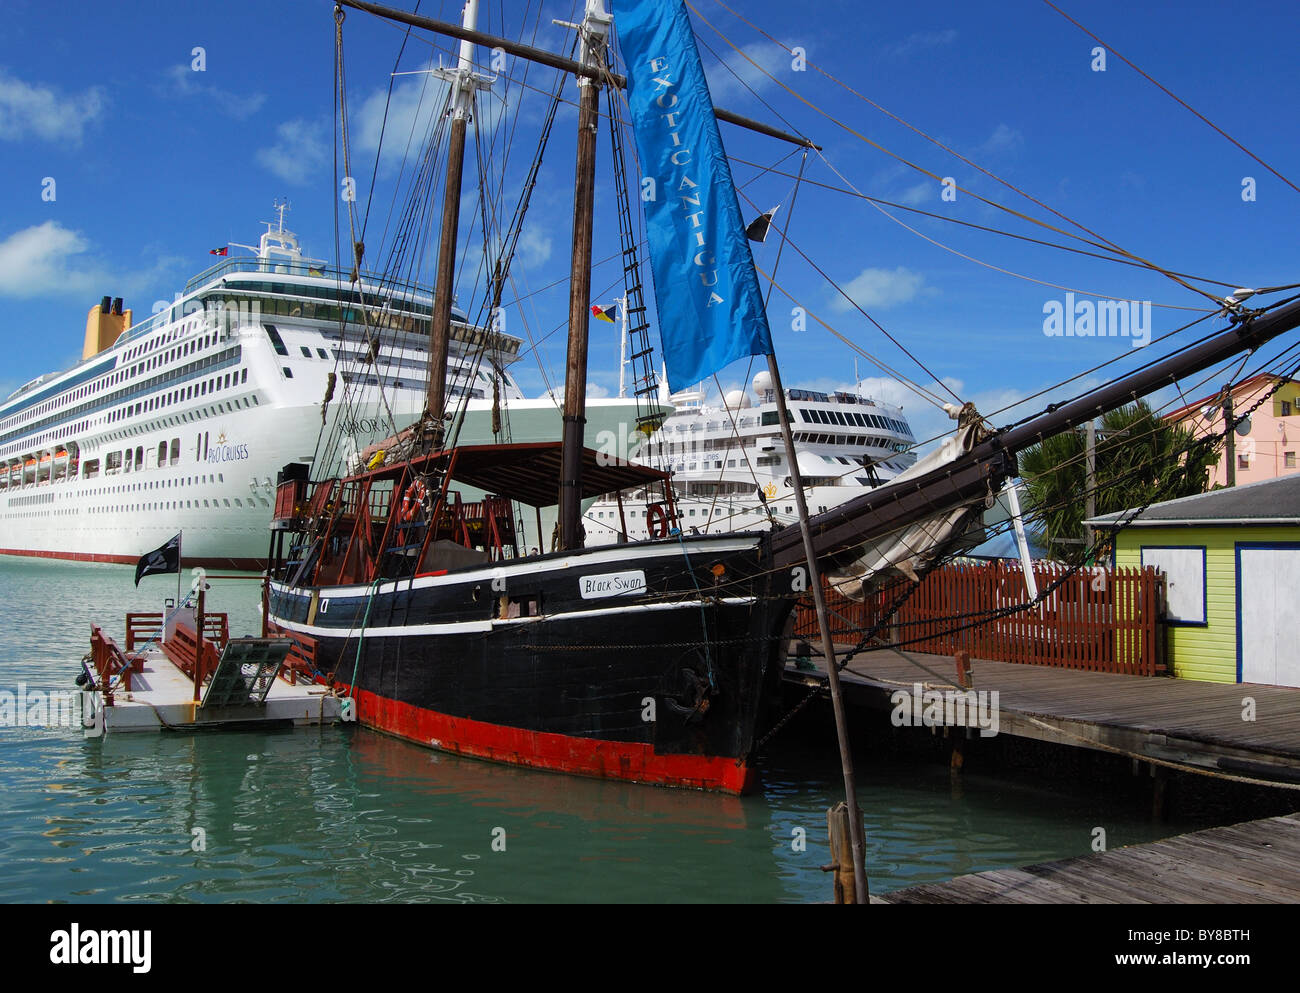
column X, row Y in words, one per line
column 840, row 832
column 964, row 679
column 958, row 734
column 198, row 643
column 1159, row 785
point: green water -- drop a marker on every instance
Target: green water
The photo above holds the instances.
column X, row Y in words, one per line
column 344, row 814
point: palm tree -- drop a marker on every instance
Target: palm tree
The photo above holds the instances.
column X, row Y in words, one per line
column 1141, row 459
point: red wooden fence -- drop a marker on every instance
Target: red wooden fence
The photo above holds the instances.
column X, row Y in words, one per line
column 1099, row 619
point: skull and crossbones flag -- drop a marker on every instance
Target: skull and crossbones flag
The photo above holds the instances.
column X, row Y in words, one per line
column 165, row 559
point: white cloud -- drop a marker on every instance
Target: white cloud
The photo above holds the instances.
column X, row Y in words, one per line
column 918, row 194
column 416, row 104
column 186, row 82
column 922, row 41
column 36, row 259
column 879, row 289
column 407, row 120
column 40, row 112
column 739, row 75
column 299, row 152
column 534, row 248
column 47, row 259
column 1003, row 139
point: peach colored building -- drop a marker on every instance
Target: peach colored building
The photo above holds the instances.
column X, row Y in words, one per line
column 1271, row 447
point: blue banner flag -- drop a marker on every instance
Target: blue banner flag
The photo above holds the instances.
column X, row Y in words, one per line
column 710, row 308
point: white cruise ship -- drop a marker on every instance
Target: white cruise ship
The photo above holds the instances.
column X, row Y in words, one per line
column 723, row 457
column 182, row 422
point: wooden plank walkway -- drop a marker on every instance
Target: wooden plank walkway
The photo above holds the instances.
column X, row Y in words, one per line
column 1253, row 862
column 1174, row 720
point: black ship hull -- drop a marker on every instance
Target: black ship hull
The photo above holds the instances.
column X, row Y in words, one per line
column 657, row 664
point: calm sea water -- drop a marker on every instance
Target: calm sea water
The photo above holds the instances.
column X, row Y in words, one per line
column 344, row 814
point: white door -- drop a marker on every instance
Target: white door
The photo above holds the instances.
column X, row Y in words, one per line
column 1268, row 599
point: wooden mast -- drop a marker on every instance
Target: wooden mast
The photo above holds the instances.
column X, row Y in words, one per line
column 463, row 82
column 594, row 32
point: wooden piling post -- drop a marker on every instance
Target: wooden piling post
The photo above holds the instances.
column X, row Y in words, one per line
column 840, row 831
column 957, row 758
column 964, row 680
column 958, row 735
column 1159, row 784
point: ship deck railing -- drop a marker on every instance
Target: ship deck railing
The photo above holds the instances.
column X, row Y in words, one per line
column 284, row 267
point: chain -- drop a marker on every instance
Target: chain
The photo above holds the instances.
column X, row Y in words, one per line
column 814, row 691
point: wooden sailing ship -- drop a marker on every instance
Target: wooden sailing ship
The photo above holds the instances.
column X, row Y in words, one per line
column 656, row 662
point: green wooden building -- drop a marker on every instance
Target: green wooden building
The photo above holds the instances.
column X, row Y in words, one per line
column 1231, row 558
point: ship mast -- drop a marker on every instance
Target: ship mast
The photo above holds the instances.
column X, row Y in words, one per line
column 591, row 71
column 594, row 35
column 463, row 81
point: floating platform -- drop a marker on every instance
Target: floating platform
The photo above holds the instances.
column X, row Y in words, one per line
column 1252, row 862
column 188, row 682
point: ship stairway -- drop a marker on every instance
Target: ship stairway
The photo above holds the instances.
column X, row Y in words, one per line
column 245, row 672
column 303, row 556
column 402, row 556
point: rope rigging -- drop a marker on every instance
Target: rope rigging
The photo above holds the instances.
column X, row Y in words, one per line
column 1173, row 96
column 994, row 204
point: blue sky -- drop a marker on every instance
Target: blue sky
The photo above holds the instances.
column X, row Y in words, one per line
column 154, row 163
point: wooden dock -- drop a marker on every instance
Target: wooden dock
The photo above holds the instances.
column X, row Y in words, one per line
column 1253, row 862
column 1239, row 731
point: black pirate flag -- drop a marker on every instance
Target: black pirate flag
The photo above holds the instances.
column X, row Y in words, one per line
column 165, row 559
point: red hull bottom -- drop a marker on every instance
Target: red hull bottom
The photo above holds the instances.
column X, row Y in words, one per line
column 554, row 752
column 239, row 565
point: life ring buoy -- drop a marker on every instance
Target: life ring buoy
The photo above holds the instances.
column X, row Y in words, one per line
column 656, row 520
column 412, row 501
